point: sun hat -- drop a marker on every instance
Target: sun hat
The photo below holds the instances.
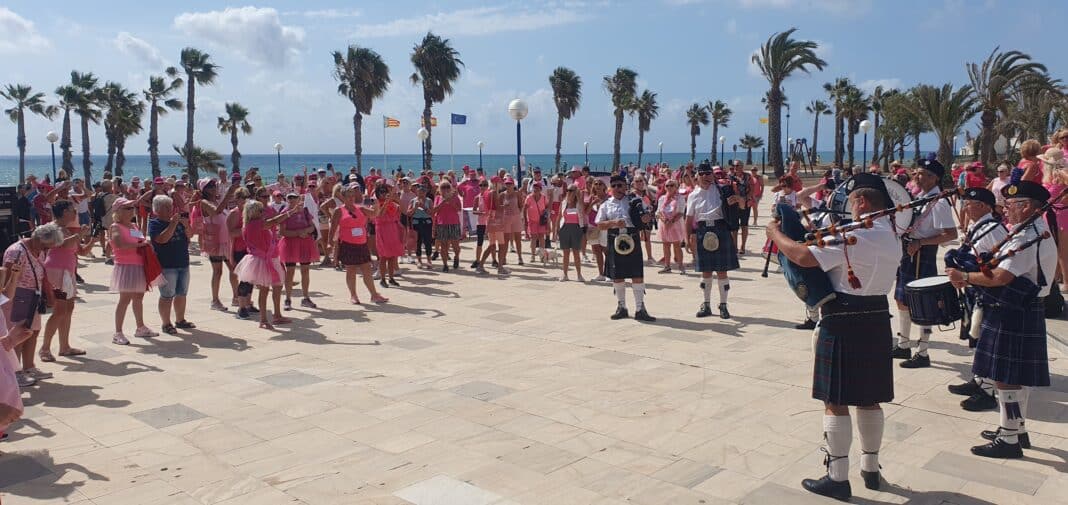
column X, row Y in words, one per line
column 204, row 182
column 276, row 193
column 121, row 202
column 291, row 194
column 1053, row 156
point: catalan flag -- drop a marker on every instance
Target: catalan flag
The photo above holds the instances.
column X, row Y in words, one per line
column 388, row 122
column 433, row 122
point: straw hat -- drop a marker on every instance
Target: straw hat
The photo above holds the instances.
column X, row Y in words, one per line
column 1053, row 156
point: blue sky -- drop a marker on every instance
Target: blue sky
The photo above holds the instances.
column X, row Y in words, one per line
column 275, row 59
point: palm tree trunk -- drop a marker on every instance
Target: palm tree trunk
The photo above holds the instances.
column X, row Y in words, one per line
column 427, row 157
column 715, row 137
column 916, row 146
column 875, row 141
column 986, row 136
column 615, row 144
column 774, row 129
column 235, row 155
column 693, row 147
column 190, row 109
column 120, row 156
column 87, row 164
column 945, row 150
column 153, row 139
column 357, row 137
column 748, row 155
column 815, row 137
column 559, row 137
column 20, row 140
column 110, row 134
column 837, row 136
column 852, row 142
column 65, row 144
column 641, row 145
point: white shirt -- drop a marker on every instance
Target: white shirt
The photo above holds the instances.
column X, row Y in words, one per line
column 1026, row 262
column 930, row 221
column 996, row 186
column 992, row 235
column 613, row 209
column 789, row 199
column 705, row 204
column 875, row 259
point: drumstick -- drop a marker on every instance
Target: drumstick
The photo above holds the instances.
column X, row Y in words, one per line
column 767, row 259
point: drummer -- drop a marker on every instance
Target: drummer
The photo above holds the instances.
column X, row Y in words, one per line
column 705, row 215
column 932, row 227
column 852, row 363
column 984, row 234
column 614, row 216
column 1012, row 344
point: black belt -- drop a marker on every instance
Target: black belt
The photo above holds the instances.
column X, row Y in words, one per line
column 630, row 231
column 844, row 302
column 711, row 224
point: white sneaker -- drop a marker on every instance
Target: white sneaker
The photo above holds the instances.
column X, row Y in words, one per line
column 600, row 278
column 119, row 339
column 145, row 332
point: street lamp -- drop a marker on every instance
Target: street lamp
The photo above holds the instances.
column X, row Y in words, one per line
column 954, row 156
column 864, row 127
column 735, row 155
column 422, row 134
column 52, row 138
column 480, row 145
column 278, row 149
column 587, row 146
column 788, row 139
column 661, row 146
column 789, row 149
column 722, row 146
column 517, row 110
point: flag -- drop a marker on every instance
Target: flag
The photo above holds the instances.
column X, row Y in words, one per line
column 433, row 122
column 763, row 120
column 459, row 119
column 388, row 122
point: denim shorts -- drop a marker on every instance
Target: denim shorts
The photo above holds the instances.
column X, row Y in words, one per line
column 83, row 218
column 177, row 283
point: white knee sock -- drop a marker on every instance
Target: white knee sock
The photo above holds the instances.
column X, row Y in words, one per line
column 838, row 430
column 906, row 329
column 621, row 293
column 925, row 337
column 870, row 423
column 1011, row 417
column 639, row 295
column 986, row 385
column 706, row 286
column 812, row 313
column 724, row 287
column 1023, row 396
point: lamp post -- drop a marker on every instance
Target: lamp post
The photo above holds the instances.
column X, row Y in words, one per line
column 865, row 126
column 52, row 138
column 278, row 149
column 480, row 145
column 954, row 148
column 789, row 143
column 586, row 145
column 517, row 110
column 661, row 146
column 722, row 146
column 422, row 134
column 788, row 139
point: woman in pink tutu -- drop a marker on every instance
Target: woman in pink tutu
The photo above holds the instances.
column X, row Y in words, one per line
column 128, row 275
column 298, row 247
column 671, row 213
column 536, row 207
column 389, row 232
column 261, row 266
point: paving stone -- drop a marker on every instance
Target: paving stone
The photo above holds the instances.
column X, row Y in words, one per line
column 684, row 336
column 988, row 472
column 613, row 357
column 770, row 493
column 411, row 343
column 291, row 379
column 505, row 317
column 485, row 391
column 492, row 307
column 16, row 468
column 444, row 490
column 168, row 415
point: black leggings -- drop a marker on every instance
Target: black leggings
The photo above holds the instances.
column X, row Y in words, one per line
column 424, row 230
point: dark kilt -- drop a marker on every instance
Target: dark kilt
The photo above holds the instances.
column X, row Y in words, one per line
column 1012, row 345
column 353, row 254
column 721, row 260
column 906, row 271
column 619, row 267
column 853, row 364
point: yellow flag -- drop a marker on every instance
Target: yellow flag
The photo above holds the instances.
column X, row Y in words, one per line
column 763, row 120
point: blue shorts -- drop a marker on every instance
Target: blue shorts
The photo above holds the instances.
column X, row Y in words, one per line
column 83, row 218
column 177, row 283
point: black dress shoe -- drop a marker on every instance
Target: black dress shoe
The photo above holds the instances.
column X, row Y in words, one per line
column 642, row 315
column 871, row 479
column 1024, row 438
column 830, row 488
column 78, row 279
column 807, row 325
column 705, row 311
column 901, row 353
column 917, row 361
column 979, row 402
column 723, row 314
column 967, row 389
column 998, row 449
column 621, row 313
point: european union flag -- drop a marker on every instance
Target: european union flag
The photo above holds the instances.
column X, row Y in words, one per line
column 459, row 119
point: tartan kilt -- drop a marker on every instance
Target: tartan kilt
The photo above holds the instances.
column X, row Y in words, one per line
column 906, row 271
column 853, row 364
column 1012, row 345
column 620, row 267
column 721, row 260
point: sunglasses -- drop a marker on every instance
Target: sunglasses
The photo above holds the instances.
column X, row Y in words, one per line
column 619, row 185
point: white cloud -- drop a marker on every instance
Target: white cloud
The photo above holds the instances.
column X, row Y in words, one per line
column 476, row 21
column 823, row 49
column 17, row 34
column 843, row 7
column 330, row 13
column 255, row 33
column 140, row 49
column 869, row 85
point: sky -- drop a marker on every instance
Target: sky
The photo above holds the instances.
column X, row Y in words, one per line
column 275, row 59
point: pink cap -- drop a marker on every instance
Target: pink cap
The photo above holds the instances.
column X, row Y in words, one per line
column 203, row 182
column 157, row 180
column 122, row 202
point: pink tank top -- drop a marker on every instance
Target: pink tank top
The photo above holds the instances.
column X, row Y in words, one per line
column 64, row 258
column 352, row 227
column 128, row 256
column 571, row 215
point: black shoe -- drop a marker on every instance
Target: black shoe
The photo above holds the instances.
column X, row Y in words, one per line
column 917, row 361
column 642, row 315
column 807, row 325
column 723, row 314
column 621, row 313
column 242, row 313
column 494, row 263
column 871, row 479
column 445, row 268
column 78, row 279
column 706, row 310
column 967, row 389
column 253, row 310
column 109, row 261
column 979, row 402
column 434, row 257
column 383, row 283
column 998, row 449
column 393, row 282
column 1024, row 438
column 474, row 265
column 830, row 488
column 901, row 353
column 456, row 263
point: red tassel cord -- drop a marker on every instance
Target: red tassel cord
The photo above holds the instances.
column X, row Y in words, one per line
column 854, row 281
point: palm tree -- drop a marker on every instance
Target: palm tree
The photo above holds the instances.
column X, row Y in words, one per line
column 721, row 116
column 118, row 101
column 203, row 159
column 993, row 81
column 87, row 108
column 750, row 142
column 160, row 103
column 127, row 124
column 778, row 59
column 567, row 93
column 854, row 110
column 198, row 70
column 646, row 108
column 816, row 107
column 836, row 91
column 621, row 86
column 696, row 116
column 24, row 99
column 362, row 78
column 945, row 111
column 437, row 67
column 68, row 100
column 236, row 120
column 876, row 103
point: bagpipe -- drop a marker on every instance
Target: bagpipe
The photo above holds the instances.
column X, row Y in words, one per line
column 637, row 211
column 900, row 212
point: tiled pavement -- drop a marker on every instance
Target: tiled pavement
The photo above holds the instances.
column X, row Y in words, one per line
column 479, row 391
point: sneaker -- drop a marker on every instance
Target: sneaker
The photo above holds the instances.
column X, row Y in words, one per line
column 242, row 313
column 991, row 435
column 474, row 265
column 287, row 305
column 119, row 339
column 253, row 310
column 145, row 332
column 37, row 374
column 456, row 262
column 979, row 402
column 481, row 271
column 217, row 305
column 901, row 353
column 109, row 261
column 307, row 303
column 600, row 278
column 563, row 278
column 917, row 361
column 999, row 449
column 665, row 270
column 579, row 278
column 503, row 271
column 393, row 282
column 967, row 389
column 24, row 380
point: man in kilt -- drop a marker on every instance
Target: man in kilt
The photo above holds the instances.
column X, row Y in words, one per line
column 852, row 363
column 932, row 226
column 706, row 213
column 624, row 258
column 1012, row 339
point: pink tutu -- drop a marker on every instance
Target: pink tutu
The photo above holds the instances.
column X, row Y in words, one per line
column 62, row 280
column 298, row 250
column 9, row 388
column 259, row 271
column 128, row 279
column 675, row 232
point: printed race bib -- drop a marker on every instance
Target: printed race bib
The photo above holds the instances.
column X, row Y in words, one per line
column 571, row 212
column 137, row 234
column 357, row 232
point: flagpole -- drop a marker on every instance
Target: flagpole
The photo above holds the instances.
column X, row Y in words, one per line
column 450, row 144
column 385, row 156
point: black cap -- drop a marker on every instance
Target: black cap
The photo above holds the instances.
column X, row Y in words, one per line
column 932, row 165
column 1025, row 189
column 980, row 194
column 866, row 180
column 704, row 167
column 617, row 178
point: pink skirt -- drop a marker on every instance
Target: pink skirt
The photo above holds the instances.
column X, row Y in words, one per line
column 297, row 250
column 513, row 223
column 62, row 280
column 534, row 227
column 388, row 240
column 675, row 232
column 259, row 271
column 128, row 279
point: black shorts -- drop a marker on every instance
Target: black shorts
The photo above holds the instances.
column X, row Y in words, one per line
column 480, row 234
column 238, row 255
column 217, row 259
column 304, row 264
column 743, row 217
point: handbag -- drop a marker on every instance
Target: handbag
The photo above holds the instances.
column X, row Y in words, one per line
column 27, row 301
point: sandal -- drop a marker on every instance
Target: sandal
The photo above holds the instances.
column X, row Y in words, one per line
column 281, row 320
column 46, row 356
column 169, row 329
column 185, row 325
column 266, row 326
column 379, row 299
column 70, row 352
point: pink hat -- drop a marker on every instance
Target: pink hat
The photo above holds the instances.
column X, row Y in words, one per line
column 495, row 179
column 122, row 202
column 467, row 168
column 157, row 180
column 204, row 182
column 509, row 180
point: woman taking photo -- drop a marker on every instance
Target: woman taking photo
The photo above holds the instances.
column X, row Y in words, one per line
column 388, row 226
column 572, row 220
column 349, row 222
column 297, row 247
column 671, row 213
column 60, row 265
column 446, row 212
column 511, row 219
column 128, row 274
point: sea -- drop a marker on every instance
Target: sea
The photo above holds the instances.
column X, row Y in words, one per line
column 138, row 165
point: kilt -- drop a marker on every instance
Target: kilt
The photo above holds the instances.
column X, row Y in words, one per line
column 853, row 364
column 1012, row 345
column 721, row 260
column 906, row 271
column 353, row 254
column 619, row 267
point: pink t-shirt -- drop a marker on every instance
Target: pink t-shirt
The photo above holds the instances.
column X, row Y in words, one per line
column 535, row 208
column 258, row 240
column 469, row 191
column 449, row 210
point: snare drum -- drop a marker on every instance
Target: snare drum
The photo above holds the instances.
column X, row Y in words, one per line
column 933, row 301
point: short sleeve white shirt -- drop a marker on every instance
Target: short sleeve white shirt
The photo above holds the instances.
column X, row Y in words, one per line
column 875, row 259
